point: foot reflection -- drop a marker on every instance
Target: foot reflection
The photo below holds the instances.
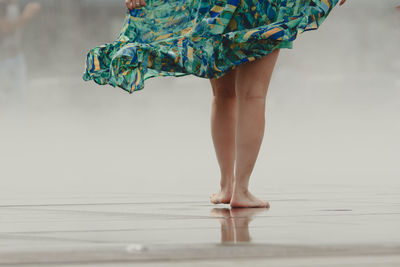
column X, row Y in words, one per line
column 235, row 223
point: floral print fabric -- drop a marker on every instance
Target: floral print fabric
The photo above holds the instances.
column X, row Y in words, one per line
column 205, row 38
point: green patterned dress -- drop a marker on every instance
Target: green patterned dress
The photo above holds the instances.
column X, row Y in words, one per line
column 205, row 38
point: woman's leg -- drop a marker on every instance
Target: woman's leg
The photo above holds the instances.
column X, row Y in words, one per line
column 252, row 81
column 223, row 123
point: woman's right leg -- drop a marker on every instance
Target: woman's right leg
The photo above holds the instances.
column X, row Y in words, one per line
column 252, row 82
column 223, row 123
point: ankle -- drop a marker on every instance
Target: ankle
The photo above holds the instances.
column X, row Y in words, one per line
column 227, row 183
column 227, row 187
column 240, row 189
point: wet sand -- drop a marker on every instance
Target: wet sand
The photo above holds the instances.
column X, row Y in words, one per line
column 309, row 223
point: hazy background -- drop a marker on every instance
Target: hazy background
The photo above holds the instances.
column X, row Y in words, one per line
column 332, row 111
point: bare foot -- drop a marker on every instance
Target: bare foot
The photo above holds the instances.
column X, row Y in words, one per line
column 244, row 199
column 222, row 197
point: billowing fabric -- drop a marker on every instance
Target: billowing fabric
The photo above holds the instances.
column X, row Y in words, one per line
column 205, row 38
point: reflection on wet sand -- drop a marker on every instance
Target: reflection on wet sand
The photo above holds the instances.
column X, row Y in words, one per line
column 235, row 223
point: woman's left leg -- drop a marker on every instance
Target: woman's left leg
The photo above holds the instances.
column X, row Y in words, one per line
column 252, row 84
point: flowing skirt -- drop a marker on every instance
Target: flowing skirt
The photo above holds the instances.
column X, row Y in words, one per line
column 205, row 38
